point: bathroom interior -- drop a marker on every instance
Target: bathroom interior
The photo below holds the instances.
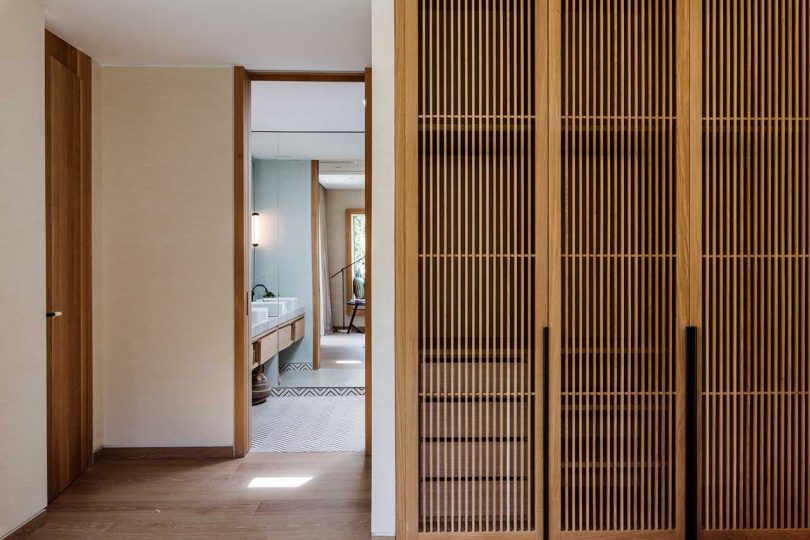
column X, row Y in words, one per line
column 308, row 266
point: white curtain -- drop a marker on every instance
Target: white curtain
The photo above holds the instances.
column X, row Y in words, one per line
column 326, row 292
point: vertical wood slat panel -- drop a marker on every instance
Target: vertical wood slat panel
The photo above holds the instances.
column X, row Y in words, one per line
column 617, row 179
column 754, row 264
column 618, row 350
column 476, row 253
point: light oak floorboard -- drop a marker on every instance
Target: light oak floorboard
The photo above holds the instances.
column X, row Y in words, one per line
column 166, row 499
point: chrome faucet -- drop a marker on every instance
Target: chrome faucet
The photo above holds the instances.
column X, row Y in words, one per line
column 253, row 291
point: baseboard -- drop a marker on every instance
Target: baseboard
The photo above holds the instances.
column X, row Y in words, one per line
column 28, row 528
column 163, row 452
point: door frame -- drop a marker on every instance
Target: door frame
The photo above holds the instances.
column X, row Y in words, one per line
column 58, row 50
column 242, row 79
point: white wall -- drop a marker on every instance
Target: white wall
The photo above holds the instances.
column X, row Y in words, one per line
column 166, row 273
column 23, row 478
column 337, row 201
column 383, row 476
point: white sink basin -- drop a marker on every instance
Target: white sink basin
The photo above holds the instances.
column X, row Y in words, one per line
column 272, row 307
column 258, row 315
column 290, row 301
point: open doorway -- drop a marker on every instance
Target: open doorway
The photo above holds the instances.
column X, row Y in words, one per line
column 307, row 272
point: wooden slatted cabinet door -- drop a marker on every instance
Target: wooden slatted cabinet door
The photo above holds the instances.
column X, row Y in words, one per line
column 472, row 186
column 614, row 459
column 755, row 387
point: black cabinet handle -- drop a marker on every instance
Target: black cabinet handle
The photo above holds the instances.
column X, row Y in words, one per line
column 53, row 314
column 545, row 431
column 691, row 506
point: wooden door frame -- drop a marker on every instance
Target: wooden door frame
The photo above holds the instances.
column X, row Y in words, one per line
column 242, row 79
column 79, row 63
column 315, row 234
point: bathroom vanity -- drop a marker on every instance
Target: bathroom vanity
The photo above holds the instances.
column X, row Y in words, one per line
column 276, row 338
column 276, row 324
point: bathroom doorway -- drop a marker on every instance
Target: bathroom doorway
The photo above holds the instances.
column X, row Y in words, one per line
column 306, row 183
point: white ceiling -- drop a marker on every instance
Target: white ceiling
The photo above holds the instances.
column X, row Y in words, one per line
column 342, row 174
column 308, row 120
column 307, row 106
column 342, row 181
column 258, row 34
column 308, row 146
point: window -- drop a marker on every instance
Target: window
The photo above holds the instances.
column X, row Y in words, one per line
column 355, row 252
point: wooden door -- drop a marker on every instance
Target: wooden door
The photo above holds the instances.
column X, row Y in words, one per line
column 473, row 381
column 616, row 384
column 755, row 369
column 68, row 263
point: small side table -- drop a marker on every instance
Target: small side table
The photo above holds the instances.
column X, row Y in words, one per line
column 356, row 303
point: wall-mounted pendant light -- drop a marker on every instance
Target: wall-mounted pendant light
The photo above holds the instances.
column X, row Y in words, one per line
column 254, row 229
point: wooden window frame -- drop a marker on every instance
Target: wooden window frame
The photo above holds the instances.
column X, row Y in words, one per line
column 348, row 279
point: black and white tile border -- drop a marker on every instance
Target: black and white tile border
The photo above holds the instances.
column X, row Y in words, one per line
column 315, row 391
column 297, row 367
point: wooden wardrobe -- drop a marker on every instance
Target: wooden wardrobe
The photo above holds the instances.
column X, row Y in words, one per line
column 602, row 282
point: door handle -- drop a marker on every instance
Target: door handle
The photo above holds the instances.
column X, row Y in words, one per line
column 692, row 456
column 53, row 314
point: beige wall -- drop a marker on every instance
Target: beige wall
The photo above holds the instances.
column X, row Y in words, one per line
column 23, row 480
column 337, row 201
column 383, row 471
column 166, row 268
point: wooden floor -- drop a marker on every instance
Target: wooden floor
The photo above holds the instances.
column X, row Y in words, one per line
column 170, row 499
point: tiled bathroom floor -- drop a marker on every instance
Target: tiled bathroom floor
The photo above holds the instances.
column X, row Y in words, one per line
column 317, row 411
column 342, row 364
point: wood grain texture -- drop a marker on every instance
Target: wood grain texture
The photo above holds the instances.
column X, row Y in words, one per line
column 755, row 385
column 29, row 527
column 308, row 76
column 470, row 179
column 68, row 252
column 177, row 498
column 163, row 452
column 672, row 193
column 406, row 268
column 619, row 338
column 241, row 235
column 315, row 228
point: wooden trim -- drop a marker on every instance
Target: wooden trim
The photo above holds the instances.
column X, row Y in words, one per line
column 86, row 75
column 309, row 76
column 555, row 270
column 623, row 534
column 756, row 534
column 406, row 212
column 368, row 203
column 554, row 127
column 29, row 527
column 348, row 279
column 242, row 167
column 165, row 452
column 241, row 199
column 515, row 535
column 688, row 186
column 315, row 215
column 58, row 50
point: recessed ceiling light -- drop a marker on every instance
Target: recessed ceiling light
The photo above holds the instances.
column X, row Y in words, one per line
column 279, row 481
